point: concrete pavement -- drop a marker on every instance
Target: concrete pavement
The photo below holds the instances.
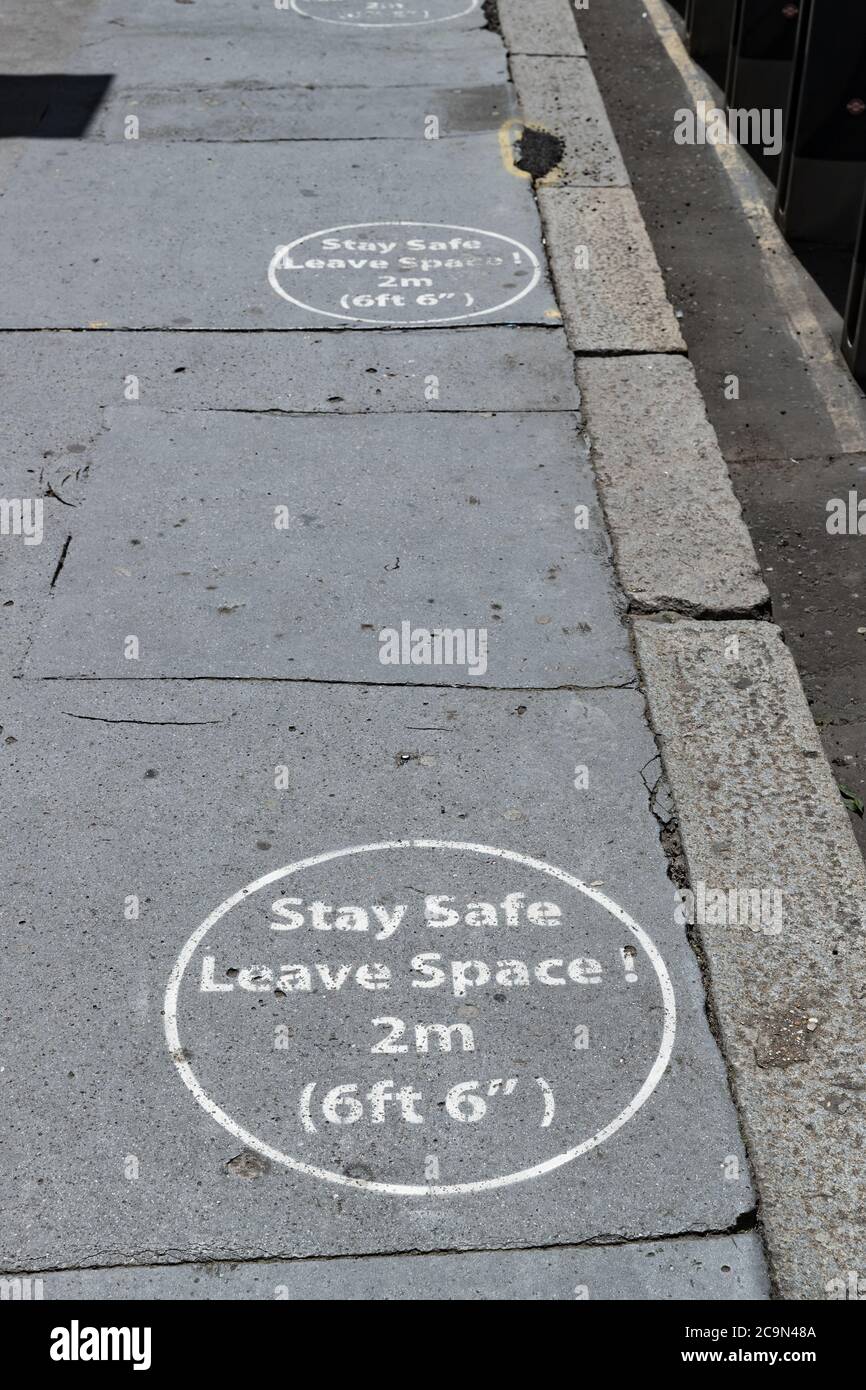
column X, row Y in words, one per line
column 341, row 920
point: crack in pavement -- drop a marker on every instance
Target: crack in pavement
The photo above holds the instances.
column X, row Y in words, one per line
column 360, row 684
column 180, row 723
column 746, row 1223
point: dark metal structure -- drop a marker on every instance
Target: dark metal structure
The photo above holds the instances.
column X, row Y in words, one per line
column 800, row 66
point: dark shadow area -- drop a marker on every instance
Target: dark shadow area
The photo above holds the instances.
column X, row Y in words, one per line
column 829, row 267
column 50, row 106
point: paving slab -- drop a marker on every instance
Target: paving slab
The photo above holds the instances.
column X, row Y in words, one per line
column 390, row 14
column 246, row 111
column 546, row 26
column 661, row 474
column 714, row 1267
column 165, row 42
column 441, row 60
column 289, row 19
column 317, row 955
column 243, row 561
column 34, row 38
column 143, row 235
column 785, row 980
column 560, row 95
column 607, row 278
column 549, row 1113
column 55, row 384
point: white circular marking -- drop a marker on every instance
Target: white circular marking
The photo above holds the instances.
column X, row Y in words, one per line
column 655, row 1074
column 313, row 8
column 400, row 322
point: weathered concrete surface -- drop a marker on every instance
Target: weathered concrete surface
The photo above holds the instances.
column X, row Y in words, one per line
column 545, row 26
column 714, row 1267
column 54, row 385
column 445, row 60
column 560, row 95
column 154, row 553
column 247, row 111
column 661, row 475
column 33, row 37
column 35, row 40
column 190, row 241
column 382, row 15
column 166, row 790
column 238, row 19
column 183, row 1116
column 195, row 46
column 758, row 809
column 614, row 299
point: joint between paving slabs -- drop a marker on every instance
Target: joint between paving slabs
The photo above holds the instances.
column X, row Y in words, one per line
column 330, row 680
column 313, row 139
column 307, row 414
column 552, row 327
column 150, row 1259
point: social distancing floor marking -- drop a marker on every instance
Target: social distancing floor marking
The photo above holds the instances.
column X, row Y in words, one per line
column 403, row 273
column 383, row 14
column 412, row 1049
